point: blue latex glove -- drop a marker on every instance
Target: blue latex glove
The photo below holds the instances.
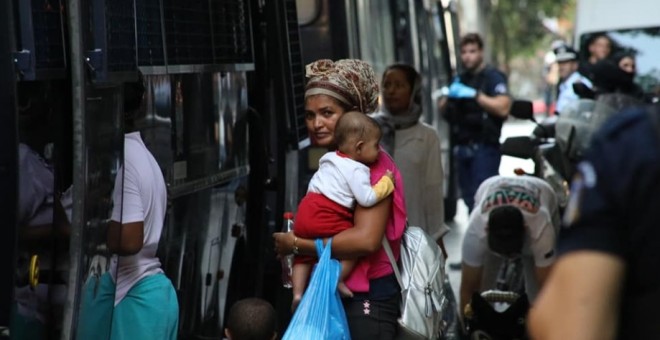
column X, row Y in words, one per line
column 460, row 90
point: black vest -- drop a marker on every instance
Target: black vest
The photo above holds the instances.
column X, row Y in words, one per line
column 470, row 122
column 639, row 306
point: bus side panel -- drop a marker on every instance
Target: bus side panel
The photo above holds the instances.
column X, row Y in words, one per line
column 8, row 164
column 195, row 125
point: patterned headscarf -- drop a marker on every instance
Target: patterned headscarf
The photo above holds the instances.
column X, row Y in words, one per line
column 351, row 81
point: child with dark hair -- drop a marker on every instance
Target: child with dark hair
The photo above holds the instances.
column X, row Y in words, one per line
column 342, row 179
column 251, row 319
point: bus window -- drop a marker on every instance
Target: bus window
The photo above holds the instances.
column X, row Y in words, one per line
column 308, row 10
column 375, row 34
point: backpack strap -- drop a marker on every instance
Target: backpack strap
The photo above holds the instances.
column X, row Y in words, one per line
column 390, row 255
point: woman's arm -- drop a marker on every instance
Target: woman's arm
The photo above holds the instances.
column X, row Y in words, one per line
column 125, row 239
column 363, row 239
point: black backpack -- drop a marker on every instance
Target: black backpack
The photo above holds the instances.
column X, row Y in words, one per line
column 509, row 324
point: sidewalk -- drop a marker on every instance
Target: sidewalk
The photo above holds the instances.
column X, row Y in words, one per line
column 453, row 243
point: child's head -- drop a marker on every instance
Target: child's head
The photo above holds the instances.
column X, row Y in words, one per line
column 251, row 319
column 357, row 135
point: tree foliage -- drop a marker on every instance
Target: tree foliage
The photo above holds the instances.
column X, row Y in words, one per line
column 517, row 28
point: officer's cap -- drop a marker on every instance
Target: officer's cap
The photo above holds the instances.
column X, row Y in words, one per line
column 565, row 53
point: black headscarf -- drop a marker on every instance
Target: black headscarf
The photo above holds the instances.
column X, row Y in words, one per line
column 610, row 78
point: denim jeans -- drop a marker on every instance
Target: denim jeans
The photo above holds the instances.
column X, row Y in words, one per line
column 475, row 163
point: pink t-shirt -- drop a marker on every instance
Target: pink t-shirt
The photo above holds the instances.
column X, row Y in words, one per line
column 377, row 264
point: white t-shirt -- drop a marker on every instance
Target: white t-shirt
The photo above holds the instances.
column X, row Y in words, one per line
column 343, row 181
column 144, row 199
column 538, row 204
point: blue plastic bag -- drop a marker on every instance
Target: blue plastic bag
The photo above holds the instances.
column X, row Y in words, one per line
column 320, row 314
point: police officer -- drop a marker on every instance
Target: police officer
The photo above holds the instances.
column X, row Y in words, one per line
column 478, row 105
column 606, row 283
column 567, row 60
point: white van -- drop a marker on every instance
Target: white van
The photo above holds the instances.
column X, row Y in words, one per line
column 633, row 26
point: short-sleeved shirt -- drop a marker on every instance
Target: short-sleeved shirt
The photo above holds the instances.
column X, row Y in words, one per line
column 471, row 122
column 566, row 92
column 538, row 203
column 143, row 198
column 614, row 209
column 343, row 180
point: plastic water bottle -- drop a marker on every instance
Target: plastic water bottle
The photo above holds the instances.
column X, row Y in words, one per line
column 287, row 261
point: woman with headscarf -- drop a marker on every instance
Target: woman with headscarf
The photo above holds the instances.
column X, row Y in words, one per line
column 415, row 147
column 334, row 88
column 626, row 61
column 611, row 77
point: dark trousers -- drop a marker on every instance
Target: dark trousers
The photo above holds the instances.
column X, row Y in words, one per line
column 475, row 163
column 372, row 319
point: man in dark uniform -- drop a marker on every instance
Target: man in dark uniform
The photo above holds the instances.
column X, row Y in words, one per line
column 478, row 105
column 606, row 283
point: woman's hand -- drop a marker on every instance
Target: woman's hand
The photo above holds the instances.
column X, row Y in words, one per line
column 283, row 243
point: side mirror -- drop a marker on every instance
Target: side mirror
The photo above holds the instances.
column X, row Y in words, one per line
column 522, row 109
column 583, row 91
column 519, row 147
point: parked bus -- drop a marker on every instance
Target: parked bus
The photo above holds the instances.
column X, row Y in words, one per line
column 213, row 117
column 222, row 115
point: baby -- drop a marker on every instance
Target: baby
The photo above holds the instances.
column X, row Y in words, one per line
column 251, row 319
column 342, row 179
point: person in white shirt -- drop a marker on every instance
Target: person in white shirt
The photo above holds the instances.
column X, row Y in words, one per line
column 513, row 216
column 145, row 303
column 567, row 60
column 342, row 180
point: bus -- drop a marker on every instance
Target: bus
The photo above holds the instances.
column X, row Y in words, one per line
column 216, row 74
column 222, row 114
